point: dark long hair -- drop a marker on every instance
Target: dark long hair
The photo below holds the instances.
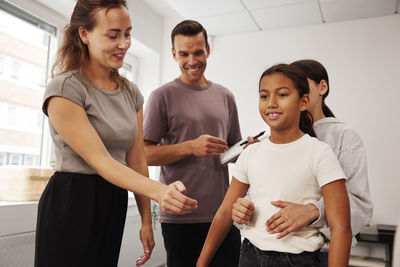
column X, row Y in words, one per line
column 316, row 72
column 73, row 53
column 300, row 83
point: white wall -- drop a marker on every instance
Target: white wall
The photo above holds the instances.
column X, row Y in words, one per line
column 169, row 69
column 147, row 25
column 363, row 60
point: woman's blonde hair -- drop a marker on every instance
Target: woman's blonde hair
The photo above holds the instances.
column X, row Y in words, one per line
column 73, row 53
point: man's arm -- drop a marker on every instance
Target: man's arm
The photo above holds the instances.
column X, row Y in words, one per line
column 203, row 146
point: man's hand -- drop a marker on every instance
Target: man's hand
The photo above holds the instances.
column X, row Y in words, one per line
column 147, row 239
column 208, row 146
column 173, row 200
column 251, row 140
column 242, row 210
column 290, row 218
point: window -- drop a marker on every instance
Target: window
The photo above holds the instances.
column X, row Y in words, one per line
column 3, row 159
column 15, row 159
column 12, row 116
column 126, row 71
column 15, row 70
column 42, row 79
column 46, row 38
column 2, row 59
column 39, row 120
column 31, row 160
column 23, row 75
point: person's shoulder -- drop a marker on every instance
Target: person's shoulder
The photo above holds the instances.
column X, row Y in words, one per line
column 222, row 89
column 316, row 146
column 68, row 79
column 132, row 87
column 316, row 142
column 332, row 125
column 254, row 148
column 169, row 86
column 162, row 93
column 349, row 137
column 165, row 89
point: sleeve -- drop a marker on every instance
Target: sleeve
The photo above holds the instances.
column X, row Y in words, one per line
column 328, row 169
column 155, row 118
column 138, row 97
column 327, row 166
column 234, row 134
column 67, row 87
column 353, row 161
column 240, row 169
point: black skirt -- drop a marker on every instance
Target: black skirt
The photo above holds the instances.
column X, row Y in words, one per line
column 80, row 221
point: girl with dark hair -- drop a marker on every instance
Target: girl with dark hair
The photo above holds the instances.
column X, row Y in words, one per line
column 316, row 76
column 290, row 165
column 95, row 119
column 349, row 150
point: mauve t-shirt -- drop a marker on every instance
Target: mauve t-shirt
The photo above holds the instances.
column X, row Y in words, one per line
column 177, row 112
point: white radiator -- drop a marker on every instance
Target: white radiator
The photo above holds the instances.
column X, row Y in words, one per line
column 17, row 250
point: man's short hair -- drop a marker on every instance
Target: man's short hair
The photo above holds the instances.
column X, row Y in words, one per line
column 188, row 28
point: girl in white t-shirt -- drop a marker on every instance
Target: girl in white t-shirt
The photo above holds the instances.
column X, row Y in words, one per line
column 292, row 166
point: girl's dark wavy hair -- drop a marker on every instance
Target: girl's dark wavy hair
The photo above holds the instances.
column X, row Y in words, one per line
column 300, row 82
column 73, row 53
column 316, row 72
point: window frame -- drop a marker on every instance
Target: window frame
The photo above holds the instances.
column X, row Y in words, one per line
column 46, row 144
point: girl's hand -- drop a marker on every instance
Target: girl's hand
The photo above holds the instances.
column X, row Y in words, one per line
column 290, row 218
column 147, row 239
column 174, row 201
column 242, row 210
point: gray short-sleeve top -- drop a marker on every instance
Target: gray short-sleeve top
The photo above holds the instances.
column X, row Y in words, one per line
column 112, row 113
column 177, row 112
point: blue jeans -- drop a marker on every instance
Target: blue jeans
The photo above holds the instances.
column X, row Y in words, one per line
column 252, row 256
column 324, row 259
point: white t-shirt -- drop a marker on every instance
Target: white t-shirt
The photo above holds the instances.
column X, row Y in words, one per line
column 292, row 172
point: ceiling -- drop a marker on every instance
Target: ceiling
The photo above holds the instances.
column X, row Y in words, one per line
column 222, row 17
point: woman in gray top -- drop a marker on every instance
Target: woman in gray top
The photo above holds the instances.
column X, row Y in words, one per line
column 349, row 149
column 95, row 120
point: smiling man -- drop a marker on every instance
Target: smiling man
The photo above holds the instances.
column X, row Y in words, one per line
column 188, row 123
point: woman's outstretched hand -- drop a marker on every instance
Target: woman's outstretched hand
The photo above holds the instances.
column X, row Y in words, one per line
column 174, row 201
